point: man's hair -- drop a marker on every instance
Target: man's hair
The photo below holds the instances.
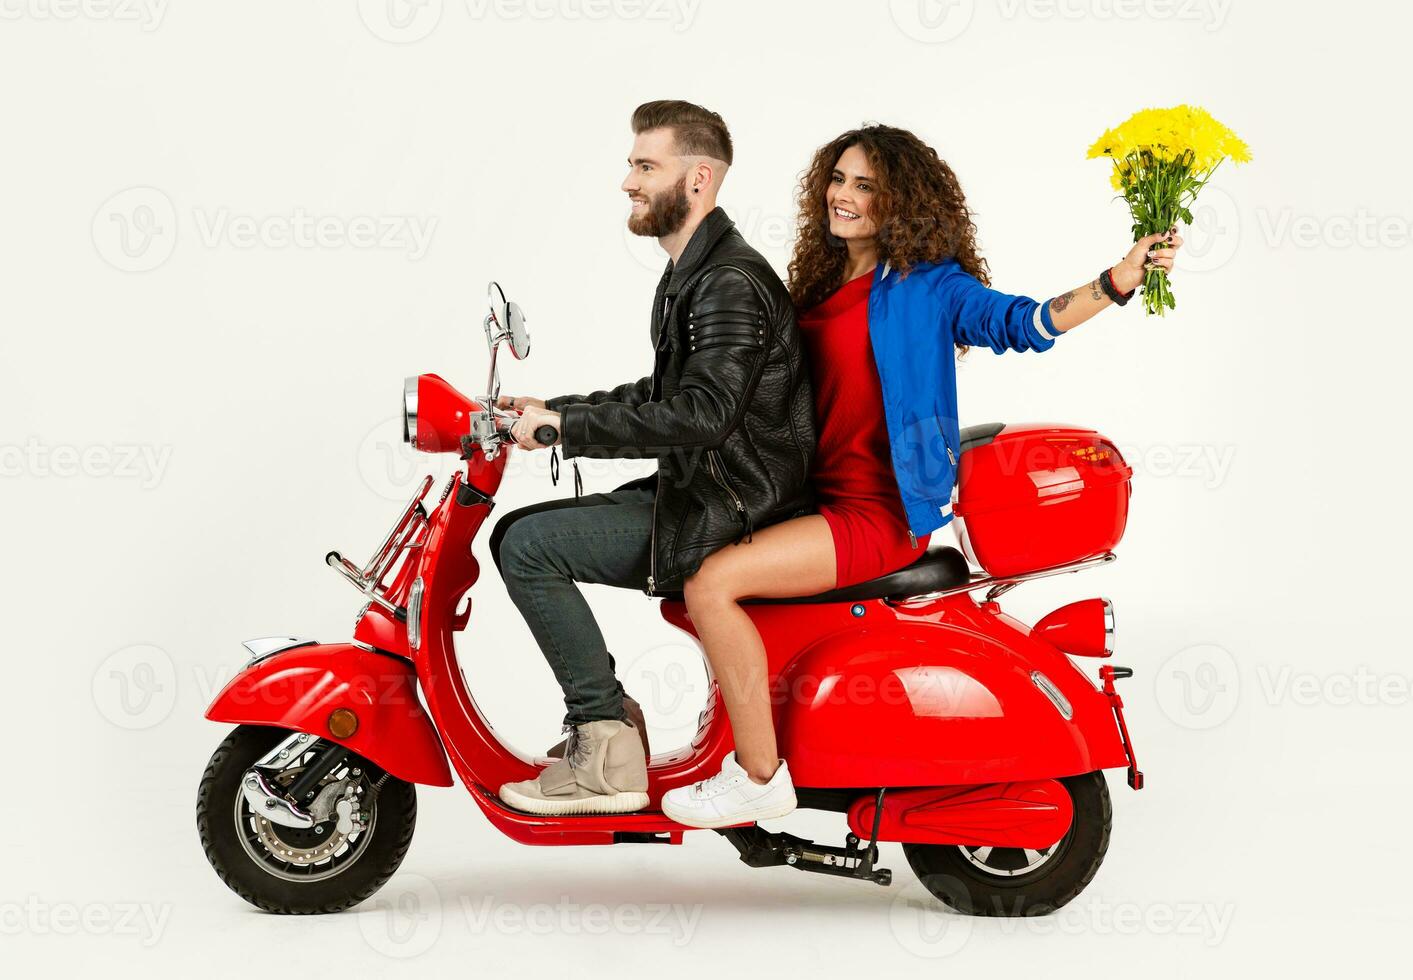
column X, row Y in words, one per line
column 696, row 132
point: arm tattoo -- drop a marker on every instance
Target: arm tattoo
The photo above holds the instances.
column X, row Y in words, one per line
column 1095, row 293
column 1059, row 303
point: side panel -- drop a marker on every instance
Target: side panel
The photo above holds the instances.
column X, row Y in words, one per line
column 1028, row 814
column 300, row 688
column 928, row 700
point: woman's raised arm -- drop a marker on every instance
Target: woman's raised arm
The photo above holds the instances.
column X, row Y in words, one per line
column 1070, row 309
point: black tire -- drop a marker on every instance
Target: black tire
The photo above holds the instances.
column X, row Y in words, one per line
column 956, row 876
column 370, row 859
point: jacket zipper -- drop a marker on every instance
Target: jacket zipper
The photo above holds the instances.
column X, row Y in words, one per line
column 718, row 472
column 740, row 410
column 657, row 488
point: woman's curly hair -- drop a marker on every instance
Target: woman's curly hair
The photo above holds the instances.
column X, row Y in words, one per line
column 918, row 208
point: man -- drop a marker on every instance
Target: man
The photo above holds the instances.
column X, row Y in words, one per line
column 728, row 413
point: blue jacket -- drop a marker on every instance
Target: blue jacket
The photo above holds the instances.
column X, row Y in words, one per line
column 914, row 323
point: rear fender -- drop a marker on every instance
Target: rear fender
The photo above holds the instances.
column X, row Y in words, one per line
column 299, row 689
column 923, row 703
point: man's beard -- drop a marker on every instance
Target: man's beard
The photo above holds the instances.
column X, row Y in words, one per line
column 665, row 213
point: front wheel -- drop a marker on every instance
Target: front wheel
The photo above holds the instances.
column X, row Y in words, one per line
column 297, row 871
column 1008, row 881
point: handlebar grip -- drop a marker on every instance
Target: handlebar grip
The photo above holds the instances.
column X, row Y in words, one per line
column 546, row 435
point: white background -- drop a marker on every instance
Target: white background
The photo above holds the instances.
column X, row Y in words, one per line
column 1260, row 588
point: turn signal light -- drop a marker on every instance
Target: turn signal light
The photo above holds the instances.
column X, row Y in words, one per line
column 342, row 723
column 1084, row 628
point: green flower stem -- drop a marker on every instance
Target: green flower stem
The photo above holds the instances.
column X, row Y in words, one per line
column 1159, row 193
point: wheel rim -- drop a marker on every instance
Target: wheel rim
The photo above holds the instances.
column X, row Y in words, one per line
column 1009, row 862
column 297, row 854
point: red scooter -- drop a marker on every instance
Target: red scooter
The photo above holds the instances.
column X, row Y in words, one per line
column 910, row 703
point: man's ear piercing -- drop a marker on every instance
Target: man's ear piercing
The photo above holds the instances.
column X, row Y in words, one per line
column 695, row 189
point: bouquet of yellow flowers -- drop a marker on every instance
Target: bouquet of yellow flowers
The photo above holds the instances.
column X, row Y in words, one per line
column 1162, row 158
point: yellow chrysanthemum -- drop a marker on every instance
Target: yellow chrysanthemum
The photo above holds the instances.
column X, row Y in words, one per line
column 1173, row 134
column 1161, row 159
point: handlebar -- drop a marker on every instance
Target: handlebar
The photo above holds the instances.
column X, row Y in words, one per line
column 545, row 435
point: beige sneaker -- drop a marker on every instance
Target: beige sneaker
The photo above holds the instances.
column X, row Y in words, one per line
column 633, row 710
column 603, row 771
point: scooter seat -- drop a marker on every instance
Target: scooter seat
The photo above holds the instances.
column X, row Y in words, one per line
column 940, row 568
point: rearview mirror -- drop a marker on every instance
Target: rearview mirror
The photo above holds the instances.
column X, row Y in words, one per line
column 506, row 322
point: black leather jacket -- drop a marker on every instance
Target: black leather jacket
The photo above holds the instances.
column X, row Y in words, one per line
column 728, row 411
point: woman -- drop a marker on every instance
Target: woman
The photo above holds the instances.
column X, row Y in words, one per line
column 886, row 279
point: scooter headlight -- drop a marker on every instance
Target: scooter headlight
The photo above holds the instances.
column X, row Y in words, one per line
column 1084, row 628
column 434, row 415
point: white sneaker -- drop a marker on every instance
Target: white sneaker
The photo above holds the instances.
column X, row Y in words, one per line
column 730, row 798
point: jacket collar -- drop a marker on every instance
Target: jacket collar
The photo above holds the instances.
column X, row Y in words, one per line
column 708, row 233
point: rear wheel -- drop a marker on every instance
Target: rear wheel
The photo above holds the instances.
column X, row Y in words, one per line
column 1009, row 881
column 298, row 871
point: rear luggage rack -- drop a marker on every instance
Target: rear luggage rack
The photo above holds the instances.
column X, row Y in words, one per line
column 999, row 585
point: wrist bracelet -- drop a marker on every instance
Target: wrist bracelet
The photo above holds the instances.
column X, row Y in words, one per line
column 1106, row 283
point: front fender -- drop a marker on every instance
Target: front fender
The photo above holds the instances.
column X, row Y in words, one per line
column 299, row 688
column 922, row 703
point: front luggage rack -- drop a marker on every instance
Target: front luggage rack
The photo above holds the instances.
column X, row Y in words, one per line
column 999, row 585
column 407, row 533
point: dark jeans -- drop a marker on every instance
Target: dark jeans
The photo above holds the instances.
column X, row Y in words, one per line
column 541, row 551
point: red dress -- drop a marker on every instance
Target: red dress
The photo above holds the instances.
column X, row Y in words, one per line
column 858, row 494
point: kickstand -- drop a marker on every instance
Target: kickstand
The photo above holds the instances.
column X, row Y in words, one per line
column 869, row 855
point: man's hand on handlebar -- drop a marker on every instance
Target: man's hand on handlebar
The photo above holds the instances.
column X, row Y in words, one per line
column 519, row 402
column 529, row 430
